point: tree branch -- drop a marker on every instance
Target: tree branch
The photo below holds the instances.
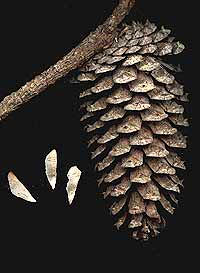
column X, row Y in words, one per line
column 94, row 42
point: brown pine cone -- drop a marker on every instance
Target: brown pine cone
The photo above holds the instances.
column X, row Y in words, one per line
column 133, row 114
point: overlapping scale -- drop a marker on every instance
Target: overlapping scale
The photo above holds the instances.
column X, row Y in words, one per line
column 133, row 113
column 147, row 63
column 151, row 210
column 136, row 221
column 109, row 135
column 160, row 93
column 156, row 149
column 115, row 173
column 141, row 174
column 98, row 151
column 102, row 85
column 160, row 165
column 121, row 147
column 179, row 119
column 98, row 105
column 142, row 137
column 143, row 83
column 154, row 113
column 149, row 191
column 121, row 188
column 134, row 159
column 162, row 76
column 92, row 127
column 117, row 206
column 172, row 107
column 132, row 59
column 124, row 75
column 175, row 160
column 105, row 163
column 138, row 103
column 136, row 203
column 115, row 112
column 162, row 127
column 88, row 76
column 130, row 124
column 176, row 140
column 119, row 95
column 167, row 183
column 120, row 221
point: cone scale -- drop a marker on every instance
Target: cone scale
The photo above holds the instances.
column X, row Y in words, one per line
column 133, row 114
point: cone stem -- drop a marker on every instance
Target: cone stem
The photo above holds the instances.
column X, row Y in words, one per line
column 94, row 42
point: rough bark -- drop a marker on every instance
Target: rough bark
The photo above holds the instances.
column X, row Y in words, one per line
column 94, row 42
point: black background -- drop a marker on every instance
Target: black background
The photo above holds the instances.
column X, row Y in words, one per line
column 34, row 35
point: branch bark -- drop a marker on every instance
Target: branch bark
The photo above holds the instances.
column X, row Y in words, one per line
column 93, row 43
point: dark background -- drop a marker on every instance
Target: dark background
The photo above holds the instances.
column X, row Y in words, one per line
column 34, row 35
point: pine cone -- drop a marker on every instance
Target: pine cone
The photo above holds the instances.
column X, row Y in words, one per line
column 133, row 115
